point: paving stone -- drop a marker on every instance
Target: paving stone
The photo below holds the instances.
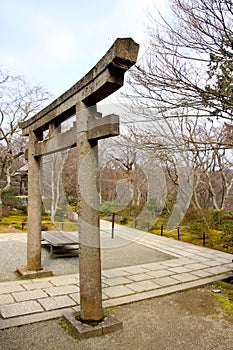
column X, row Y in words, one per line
column 56, row 302
column 185, row 277
column 179, row 269
column 171, row 263
column 75, row 297
column 212, row 263
column 210, row 256
column 189, row 255
column 29, row 295
column 15, row 282
column 104, row 296
column 153, row 266
column 182, row 261
column 65, row 280
column 115, row 273
column 62, row 290
column 160, row 273
column 135, row 269
column 37, row 285
column 18, row 309
column 6, row 299
column 201, row 273
column 223, row 255
column 9, row 288
column 140, row 277
column 143, row 286
column 166, row 281
column 117, row 291
column 104, row 284
column 217, row 270
column 230, row 266
column 116, row 281
column 225, row 261
column 196, row 266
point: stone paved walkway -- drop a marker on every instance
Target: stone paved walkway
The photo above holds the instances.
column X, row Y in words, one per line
column 28, row 301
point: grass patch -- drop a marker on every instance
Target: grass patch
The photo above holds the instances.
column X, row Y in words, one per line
column 225, row 302
column 12, row 222
column 225, row 298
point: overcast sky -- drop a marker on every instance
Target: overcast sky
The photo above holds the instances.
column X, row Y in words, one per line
column 56, row 42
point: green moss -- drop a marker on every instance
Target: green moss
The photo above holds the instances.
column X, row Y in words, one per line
column 67, row 327
column 224, row 285
column 226, row 296
column 225, row 302
column 112, row 308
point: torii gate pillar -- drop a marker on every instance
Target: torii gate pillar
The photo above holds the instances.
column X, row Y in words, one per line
column 88, row 213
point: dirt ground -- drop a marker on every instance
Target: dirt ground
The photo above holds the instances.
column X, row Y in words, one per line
column 190, row 320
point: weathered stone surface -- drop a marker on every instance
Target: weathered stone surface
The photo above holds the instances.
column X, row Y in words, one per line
column 23, row 308
column 117, row 291
column 25, row 272
column 116, row 281
column 10, row 287
column 179, row 269
column 6, row 299
column 140, row 277
column 29, row 295
column 166, row 281
column 143, row 286
column 75, row 297
column 84, row 331
column 31, row 285
column 160, row 273
column 105, row 78
column 57, row 302
column 34, row 207
column 185, row 277
column 111, row 324
column 96, row 129
column 135, row 269
column 115, row 273
column 218, row 269
column 65, row 280
column 62, row 290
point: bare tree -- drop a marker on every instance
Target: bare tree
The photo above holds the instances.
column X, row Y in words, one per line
column 18, row 101
column 181, row 93
column 211, row 160
column 52, row 190
column 188, row 64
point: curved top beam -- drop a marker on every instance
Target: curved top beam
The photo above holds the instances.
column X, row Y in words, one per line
column 103, row 79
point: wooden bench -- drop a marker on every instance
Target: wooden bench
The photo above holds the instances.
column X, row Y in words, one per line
column 61, row 243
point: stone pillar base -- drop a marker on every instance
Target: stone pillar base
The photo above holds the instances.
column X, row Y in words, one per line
column 26, row 273
column 84, row 331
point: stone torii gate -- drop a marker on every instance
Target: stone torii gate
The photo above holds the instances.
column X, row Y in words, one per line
column 104, row 79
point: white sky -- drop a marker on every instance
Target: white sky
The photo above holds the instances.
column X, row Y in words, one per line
column 56, row 42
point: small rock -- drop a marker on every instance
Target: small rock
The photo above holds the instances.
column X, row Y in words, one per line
column 216, row 290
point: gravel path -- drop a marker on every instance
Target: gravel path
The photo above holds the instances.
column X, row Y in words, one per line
column 192, row 320
column 13, row 252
